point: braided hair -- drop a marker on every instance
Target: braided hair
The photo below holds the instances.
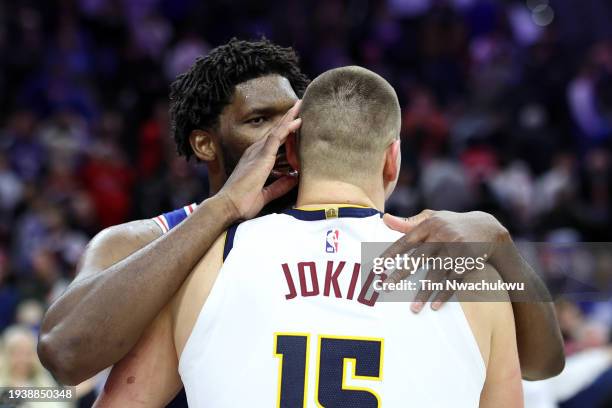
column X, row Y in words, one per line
column 198, row 96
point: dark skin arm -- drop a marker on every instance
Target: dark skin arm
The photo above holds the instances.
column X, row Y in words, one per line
column 129, row 272
column 539, row 340
column 125, row 278
column 538, row 334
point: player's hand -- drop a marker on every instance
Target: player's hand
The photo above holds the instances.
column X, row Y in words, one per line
column 244, row 191
column 442, row 227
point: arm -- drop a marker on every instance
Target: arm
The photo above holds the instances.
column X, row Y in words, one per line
column 540, row 344
column 127, row 275
column 489, row 314
column 147, row 376
column 538, row 335
column 502, row 387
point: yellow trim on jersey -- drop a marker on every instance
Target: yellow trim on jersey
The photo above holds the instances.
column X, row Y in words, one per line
column 354, row 376
column 280, row 365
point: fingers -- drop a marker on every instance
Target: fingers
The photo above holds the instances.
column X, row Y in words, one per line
column 405, row 225
column 409, row 250
column 444, row 295
column 399, row 274
column 405, row 244
column 287, row 125
column 278, row 188
column 423, row 295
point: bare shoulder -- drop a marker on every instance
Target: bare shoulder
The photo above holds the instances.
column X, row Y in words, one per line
column 191, row 297
column 133, row 233
column 115, row 243
column 485, row 310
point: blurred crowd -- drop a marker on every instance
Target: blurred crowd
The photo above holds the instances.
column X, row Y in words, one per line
column 507, row 108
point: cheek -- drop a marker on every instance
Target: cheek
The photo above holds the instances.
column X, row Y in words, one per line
column 246, row 136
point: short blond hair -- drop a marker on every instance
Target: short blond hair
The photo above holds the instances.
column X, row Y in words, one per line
column 350, row 115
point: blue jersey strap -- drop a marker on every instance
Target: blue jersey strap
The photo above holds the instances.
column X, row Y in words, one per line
column 171, row 219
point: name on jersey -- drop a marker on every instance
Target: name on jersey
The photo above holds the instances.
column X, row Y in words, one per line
column 309, row 278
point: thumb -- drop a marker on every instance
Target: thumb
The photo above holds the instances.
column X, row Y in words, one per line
column 279, row 188
column 405, row 225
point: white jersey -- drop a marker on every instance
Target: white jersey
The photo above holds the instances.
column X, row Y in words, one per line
column 286, row 325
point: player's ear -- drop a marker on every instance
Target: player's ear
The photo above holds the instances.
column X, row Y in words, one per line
column 393, row 161
column 203, row 145
column 391, row 168
column 291, row 148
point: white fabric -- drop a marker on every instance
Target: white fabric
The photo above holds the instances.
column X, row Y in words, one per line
column 429, row 360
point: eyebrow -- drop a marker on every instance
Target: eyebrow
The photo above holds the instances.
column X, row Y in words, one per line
column 261, row 110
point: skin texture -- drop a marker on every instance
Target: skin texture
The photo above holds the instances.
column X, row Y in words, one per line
column 132, row 385
column 541, row 355
column 84, row 331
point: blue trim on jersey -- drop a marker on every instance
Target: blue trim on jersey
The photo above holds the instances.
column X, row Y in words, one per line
column 229, row 240
column 175, row 217
column 343, row 212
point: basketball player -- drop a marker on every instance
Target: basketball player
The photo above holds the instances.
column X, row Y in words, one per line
column 237, row 96
column 274, row 315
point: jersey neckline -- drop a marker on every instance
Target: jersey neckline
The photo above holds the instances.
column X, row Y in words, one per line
column 331, row 211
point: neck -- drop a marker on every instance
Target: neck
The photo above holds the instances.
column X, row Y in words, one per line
column 317, row 192
column 215, row 182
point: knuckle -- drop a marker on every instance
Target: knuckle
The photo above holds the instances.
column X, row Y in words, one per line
column 431, row 223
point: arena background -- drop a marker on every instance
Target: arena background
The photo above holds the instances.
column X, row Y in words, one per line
column 507, row 108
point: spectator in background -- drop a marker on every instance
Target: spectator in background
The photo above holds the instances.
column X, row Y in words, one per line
column 9, row 295
column 21, row 367
column 109, row 180
column 583, row 99
column 499, row 114
column 25, row 152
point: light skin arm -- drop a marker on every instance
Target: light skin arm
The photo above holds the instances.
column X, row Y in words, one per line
column 147, row 376
column 540, row 344
column 491, row 320
column 502, row 387
column 128, row 272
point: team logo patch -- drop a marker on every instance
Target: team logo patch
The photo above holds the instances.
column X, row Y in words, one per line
column 331, row 241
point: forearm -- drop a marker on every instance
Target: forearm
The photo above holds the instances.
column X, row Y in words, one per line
column 100, row 318
column 539, row 340
column 148, row 375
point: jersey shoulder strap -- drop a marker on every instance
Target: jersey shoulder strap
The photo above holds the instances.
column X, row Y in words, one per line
column 229, row 240
column 169, row 220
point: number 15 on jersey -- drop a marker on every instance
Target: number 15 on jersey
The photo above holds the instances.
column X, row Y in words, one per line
column 334, row 354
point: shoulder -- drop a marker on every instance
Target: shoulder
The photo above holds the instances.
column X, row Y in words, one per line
column 145, row 230
column 115, row 243
column 254, row 229
column 488, row 312
column 263, row 222
column 171, row 219
column 192, row 295
column 134, row 231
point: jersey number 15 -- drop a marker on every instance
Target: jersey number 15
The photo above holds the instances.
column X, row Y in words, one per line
column 333, row 352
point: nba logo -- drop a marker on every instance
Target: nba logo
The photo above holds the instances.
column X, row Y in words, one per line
column 331, row 241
